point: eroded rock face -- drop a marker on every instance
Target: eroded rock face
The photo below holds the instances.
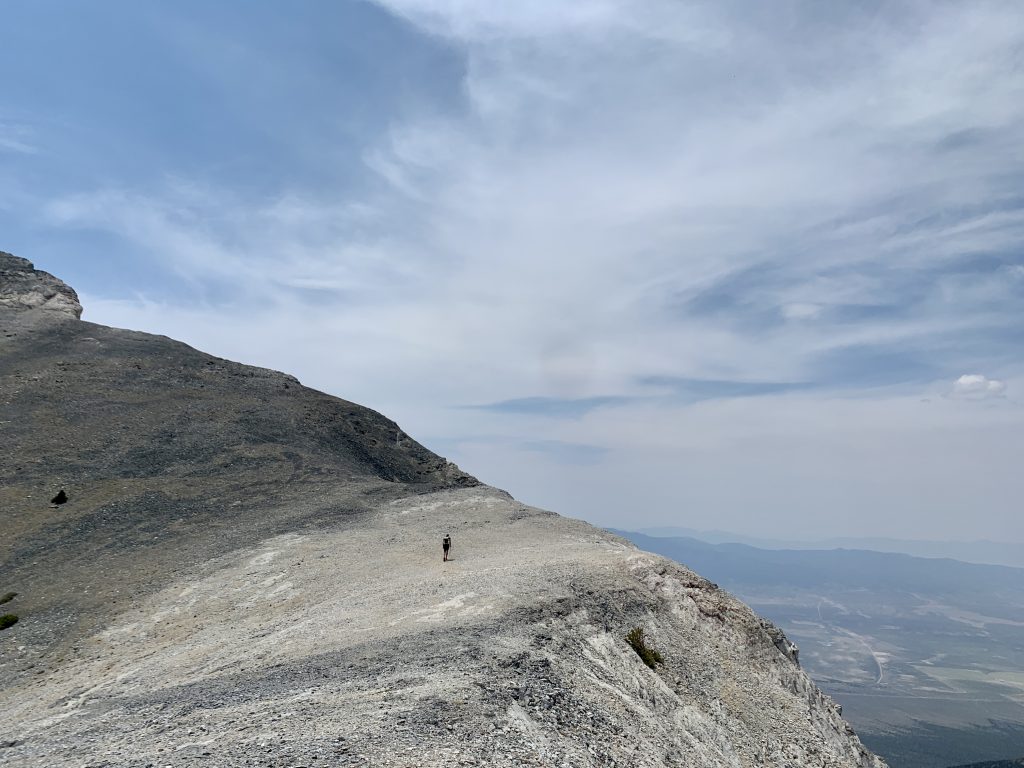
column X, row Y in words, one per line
column 22, row 287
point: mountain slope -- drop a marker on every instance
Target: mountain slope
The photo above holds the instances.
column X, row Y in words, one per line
column 247, row 573
column 167, row 454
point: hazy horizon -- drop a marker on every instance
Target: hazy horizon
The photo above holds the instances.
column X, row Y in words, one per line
column 979, row 551
column 812, row 540
column 709, row 265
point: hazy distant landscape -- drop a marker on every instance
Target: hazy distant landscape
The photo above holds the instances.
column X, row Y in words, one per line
column 925, row 655
column 981, row 551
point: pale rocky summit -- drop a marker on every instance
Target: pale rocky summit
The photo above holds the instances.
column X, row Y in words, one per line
column 248, row 573
column 22, row 287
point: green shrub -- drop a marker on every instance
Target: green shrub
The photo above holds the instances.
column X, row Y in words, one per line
column 8, row 597
column 8, row 620
column 648, row 655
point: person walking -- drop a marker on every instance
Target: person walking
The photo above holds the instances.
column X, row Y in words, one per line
column 446, row 544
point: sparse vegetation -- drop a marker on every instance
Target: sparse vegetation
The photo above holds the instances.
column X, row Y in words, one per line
column 8, row 620
column 647, row 654
column 8, row 597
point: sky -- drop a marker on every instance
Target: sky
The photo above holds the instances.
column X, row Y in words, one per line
column 752, row 267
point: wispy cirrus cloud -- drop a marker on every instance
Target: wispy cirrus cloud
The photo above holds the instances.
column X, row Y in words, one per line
column 552, row 406
column 798, row 208
column 745, row 244
column 16, row 137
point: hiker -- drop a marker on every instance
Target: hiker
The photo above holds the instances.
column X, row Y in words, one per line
column 446, row 544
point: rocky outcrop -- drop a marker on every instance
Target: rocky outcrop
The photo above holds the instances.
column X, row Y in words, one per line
column 247, row 572
column 24, row 288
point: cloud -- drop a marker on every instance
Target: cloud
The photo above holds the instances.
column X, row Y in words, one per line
column 563, row 452
column 578, row 175
column 695, row 390
column 801, row 311
column 974, row 386
column 732, row 242
column 17, row 139
column 552, row 407
column 649, row 189
column 262, row 250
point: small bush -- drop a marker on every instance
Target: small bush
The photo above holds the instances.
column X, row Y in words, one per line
column 648, row 655
column 8, row 597
column 8, row 620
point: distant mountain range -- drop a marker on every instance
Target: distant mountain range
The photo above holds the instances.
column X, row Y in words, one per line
column 987, row 588
column 980, row 551
column 925, row 654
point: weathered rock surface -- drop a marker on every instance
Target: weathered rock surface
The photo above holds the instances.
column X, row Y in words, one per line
column 22, row 287
column 249, row 573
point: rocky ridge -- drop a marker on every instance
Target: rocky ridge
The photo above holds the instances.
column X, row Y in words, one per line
column 247, row 573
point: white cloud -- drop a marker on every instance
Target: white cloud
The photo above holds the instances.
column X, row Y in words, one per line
column 974, row 386
column 530, row 20
column 604, row 167
column 646, row 189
